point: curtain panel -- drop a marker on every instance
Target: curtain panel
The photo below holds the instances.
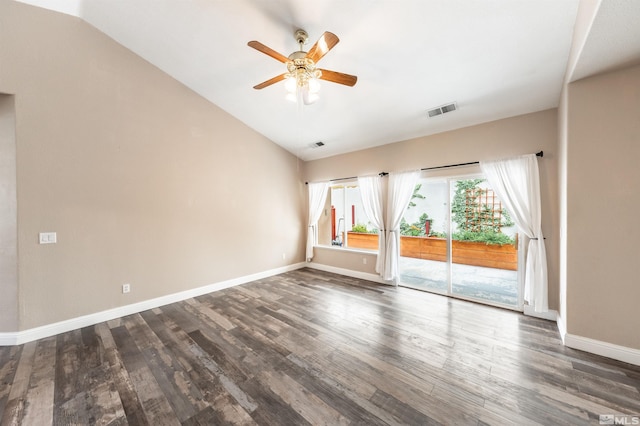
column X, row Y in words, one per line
column 516, row 181
column 371, row 194
column 399, row 194
column 317, row 195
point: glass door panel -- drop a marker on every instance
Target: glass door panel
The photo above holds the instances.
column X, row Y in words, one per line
column 484, row 256
column 423, row 241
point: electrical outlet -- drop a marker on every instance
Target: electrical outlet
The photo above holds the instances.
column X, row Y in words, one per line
column 126, row 288
column 364, row 260
column 284, row 256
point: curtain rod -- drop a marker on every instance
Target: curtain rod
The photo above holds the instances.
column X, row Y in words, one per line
column 538, row 154
column 381, row 174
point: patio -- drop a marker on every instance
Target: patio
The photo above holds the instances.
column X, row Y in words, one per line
column 496, row 286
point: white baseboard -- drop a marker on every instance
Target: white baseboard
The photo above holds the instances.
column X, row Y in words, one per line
column 549, row 315
column 562, row 327
column 598, row 347
column 9, row 338
column 20, row 337
column 610, row 350
column 348, row 272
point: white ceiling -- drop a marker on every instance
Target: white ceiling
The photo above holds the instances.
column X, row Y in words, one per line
column 614, row 39
column 495, row 58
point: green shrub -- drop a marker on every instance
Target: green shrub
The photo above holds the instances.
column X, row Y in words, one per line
column 435, row 234
column 363, row 229
column 470, row 214
column 415, row 229
column 487, row 237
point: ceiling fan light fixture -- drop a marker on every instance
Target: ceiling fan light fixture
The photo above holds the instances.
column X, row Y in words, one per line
column 290, row 84
column 306, row 94
column 314, row 85
column 301, row 82
column 308, row 98
column 291, row 97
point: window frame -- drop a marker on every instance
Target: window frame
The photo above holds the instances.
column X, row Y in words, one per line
column 326, row 218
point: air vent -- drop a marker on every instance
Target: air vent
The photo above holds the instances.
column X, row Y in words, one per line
column 316, row 144
column 442, row 109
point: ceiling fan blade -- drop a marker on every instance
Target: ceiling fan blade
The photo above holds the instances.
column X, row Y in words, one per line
column 324, row 44
column 338, row 77
column 270, row 82
column 268, row 51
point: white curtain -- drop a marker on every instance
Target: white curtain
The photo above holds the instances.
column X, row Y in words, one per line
column 317, row 196
column 371, row 194
column 399, row 194
column 516, row 181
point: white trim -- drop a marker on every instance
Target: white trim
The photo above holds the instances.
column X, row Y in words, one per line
column 549, row 315
column 348, row 250
column 610, row 350
column 9, row 339
column 562, row 328
column 349, row 273
column 20, row 337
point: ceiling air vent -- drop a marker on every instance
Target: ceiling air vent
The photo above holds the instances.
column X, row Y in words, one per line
column 442, row 109
column 316, row 144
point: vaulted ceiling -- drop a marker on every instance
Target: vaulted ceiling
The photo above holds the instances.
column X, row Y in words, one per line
column 494, row 58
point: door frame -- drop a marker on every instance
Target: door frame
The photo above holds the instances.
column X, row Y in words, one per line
column 450, row 179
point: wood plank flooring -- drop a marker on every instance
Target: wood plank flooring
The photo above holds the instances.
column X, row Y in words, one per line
column 309, row 347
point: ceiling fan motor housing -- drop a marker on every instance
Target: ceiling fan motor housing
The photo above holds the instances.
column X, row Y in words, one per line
column 297, row 55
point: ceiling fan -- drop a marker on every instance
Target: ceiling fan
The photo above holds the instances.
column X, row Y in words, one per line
column 302, row 75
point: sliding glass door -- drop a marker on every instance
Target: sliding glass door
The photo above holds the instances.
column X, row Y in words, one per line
column 424, row 249
column 457, row 239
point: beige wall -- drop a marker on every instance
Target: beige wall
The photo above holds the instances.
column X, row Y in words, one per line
column 144, row 181
column 603, row 148
column 352, row 260
column 503, row 138
column 8, row 217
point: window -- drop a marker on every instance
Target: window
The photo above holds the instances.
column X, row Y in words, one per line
column 344, row 222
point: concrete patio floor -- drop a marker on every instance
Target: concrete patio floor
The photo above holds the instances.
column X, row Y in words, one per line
column 498, row 286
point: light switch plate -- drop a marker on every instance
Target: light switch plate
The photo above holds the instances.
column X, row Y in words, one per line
column 48, row 238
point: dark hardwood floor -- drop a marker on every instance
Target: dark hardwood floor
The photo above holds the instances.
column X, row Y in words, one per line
column 309, row 347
